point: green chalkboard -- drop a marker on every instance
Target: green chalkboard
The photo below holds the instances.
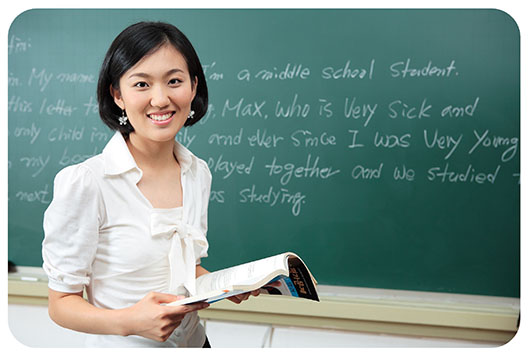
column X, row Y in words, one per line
column 380, row 145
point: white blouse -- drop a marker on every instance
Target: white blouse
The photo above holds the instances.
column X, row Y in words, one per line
column 102, row 234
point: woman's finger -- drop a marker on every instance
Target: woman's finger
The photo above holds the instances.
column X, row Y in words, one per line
column 234, row 299
column 186, row 308
column 274, row 284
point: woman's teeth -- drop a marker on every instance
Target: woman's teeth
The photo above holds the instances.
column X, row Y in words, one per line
column 160, row 117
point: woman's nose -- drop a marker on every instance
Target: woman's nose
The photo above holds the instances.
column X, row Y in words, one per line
column 159, row 97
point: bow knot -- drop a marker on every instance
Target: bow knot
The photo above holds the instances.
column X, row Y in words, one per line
column 187, row 244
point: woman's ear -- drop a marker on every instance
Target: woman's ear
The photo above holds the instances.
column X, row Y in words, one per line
column 115, row 93
column 194, row 87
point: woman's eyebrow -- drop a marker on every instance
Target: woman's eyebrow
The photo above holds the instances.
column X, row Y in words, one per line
column 146, row 75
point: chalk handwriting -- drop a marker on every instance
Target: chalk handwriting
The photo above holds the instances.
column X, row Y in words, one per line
column 354, row 143
column 185, row 137
column 443, row 175
column 42, row 78
column 306, row 138
column 58, row 107
column 273, row 197
column 402, row 69
column 17, row 45
column 357, row 111
column 32, row 132
column 220, row 165
column 391, row 140
column 91, row 106
column 453, row 111
column 217, row 196
column 310, row 170
column 33, row 162
column 294, row 109
column 17, row 104
column 442, row 142
column 400, row 109
column 291, row 71
column 264, row 139
column 226, row 139
column 404, row 173
column 484, row 140
column 287, row 72
column 242, row 109
column 366, row 173
column 75, row 77
column 98, row 136
column 62, row 133
column 42, row 196
column 13, row 81
column 347, row 72
column 67, row 159
column 324, row 108
column 210, row 74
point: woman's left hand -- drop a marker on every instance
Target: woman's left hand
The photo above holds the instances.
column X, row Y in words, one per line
column 244, row 296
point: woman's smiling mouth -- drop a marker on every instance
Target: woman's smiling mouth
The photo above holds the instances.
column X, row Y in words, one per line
column 161, row 118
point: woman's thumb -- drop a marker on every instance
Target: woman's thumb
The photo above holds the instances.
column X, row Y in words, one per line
column 166, row 297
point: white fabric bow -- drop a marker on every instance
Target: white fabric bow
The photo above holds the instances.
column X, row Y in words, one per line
column 187, row 243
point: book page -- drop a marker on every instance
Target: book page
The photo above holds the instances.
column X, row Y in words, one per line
column 245, row 274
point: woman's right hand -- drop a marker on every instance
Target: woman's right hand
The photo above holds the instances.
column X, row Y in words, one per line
column 148, row 318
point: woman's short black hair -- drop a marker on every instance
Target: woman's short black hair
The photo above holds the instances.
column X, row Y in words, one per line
column 128, row 48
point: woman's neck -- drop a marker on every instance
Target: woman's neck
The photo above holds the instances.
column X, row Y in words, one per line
column 151, row 154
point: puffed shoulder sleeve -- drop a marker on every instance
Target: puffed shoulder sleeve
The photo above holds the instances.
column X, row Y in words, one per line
column 71, row 225
column 206, row 184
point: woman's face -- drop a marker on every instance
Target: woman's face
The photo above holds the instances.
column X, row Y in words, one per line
column 156, row 94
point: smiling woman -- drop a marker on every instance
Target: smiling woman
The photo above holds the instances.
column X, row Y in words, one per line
column 129, row 225
column 156, row 95
column 124, row 55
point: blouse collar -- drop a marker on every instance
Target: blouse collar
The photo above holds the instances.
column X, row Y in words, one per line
column 119, row 160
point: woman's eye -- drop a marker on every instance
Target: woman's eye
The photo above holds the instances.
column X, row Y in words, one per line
column 141, row 85
column 174, row 81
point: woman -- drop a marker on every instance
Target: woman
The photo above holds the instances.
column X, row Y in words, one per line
column 129, row 225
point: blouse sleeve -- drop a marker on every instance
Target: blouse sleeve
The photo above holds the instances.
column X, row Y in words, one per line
column 71, row 225
column 206, row 184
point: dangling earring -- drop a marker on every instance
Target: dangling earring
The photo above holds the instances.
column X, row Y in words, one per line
column 123, row 118
column 190, row 115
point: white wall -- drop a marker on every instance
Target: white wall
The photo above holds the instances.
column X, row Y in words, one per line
column 31, row 326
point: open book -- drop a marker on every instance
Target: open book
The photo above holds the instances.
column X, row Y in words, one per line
column 286, row 268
